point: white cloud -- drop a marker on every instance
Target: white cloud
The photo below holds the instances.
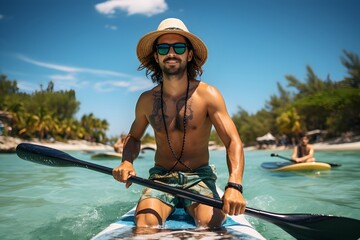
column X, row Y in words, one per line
column 27, row 86
column 145, row 7
column 73, row 76
column 70, row 69
column 140, row 83
column 108, row 86
column 1, row 16
column 111, row 27
column 46, row 65
column 66, row 77
column 68, row 81
column 135, row 84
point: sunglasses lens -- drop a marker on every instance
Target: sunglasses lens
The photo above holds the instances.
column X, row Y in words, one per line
column 179, row 48
column 163, row 49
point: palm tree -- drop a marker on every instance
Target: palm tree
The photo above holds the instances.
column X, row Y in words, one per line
column 312, row 85
column 352, row 63
column 43, row 123
column 68, row 128
column 289, row 122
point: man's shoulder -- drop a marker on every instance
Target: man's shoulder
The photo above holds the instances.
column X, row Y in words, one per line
column 203, row 86
column 147, row 97
column 208, row 91
column 150, row 93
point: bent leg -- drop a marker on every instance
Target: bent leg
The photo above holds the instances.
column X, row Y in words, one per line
column 151, row 212
column 206, row 216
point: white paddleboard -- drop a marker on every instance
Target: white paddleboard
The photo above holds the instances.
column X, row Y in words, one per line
column 179, row 226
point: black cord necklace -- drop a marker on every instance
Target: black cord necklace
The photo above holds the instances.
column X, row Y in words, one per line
column 178, row 159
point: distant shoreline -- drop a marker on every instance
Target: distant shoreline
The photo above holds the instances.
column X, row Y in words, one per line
column 8, row 145
column 317, row 147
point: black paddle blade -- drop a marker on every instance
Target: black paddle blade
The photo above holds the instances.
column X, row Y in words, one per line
column 55, row 158
column 44, row 155
column 333, row 164
column 312, row 226
column 324, row 227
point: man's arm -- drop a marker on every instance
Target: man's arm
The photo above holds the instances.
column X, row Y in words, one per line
column 233, row 200
column 303, row 158
column 132, row 145
column 294, row 155
column 307, row 157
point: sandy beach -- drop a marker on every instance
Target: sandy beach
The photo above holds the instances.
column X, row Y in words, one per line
column 8, row 144
column 86, row 146
column 320, row 146
column 337, row 146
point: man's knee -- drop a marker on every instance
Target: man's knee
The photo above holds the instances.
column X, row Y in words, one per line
column 151, row 212
column 148, row 218
column 212, row 223
column 207, row 217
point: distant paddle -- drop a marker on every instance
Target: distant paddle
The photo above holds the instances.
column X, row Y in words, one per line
column 300, row 226
column 289, row 159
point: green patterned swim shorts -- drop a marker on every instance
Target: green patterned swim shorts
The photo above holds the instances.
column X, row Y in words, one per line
column 201, row 181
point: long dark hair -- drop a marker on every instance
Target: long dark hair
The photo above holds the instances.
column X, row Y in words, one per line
column 153, row 69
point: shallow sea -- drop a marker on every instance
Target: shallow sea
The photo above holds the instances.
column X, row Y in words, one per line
column 41, row 202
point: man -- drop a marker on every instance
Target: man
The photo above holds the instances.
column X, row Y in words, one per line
column 182, row 111
column 303, row 152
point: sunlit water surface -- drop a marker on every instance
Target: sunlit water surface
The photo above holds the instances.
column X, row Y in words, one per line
column 41, row 202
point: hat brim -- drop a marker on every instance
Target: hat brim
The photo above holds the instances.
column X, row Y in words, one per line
column 145, row 45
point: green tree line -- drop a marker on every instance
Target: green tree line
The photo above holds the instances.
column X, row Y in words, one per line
column 314, row 103
column 46, row 114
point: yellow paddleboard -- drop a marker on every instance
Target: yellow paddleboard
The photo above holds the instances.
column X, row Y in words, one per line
column 288, row 166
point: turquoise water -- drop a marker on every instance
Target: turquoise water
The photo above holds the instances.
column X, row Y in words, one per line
column 41, row 202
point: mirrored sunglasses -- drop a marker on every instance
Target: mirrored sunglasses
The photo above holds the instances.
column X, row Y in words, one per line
column 164, row 48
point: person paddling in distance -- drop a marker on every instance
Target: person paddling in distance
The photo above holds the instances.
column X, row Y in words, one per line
column 119, row 144
column 303, row 152
column 182, row 111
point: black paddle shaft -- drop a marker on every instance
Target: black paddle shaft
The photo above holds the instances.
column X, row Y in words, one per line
column 301, row 226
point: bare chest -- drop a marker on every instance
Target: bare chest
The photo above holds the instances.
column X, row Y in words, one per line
column 176, row 114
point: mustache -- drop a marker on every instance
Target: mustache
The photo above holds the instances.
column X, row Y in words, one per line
column 171, row 58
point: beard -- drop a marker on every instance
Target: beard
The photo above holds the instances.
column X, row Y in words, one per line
column 173, row 70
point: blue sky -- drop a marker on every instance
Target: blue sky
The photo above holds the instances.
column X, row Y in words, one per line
column 89, row 46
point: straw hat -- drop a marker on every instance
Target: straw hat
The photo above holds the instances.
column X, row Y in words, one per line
column 171, row 25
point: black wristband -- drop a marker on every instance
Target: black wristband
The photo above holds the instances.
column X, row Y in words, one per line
column 234, row 185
